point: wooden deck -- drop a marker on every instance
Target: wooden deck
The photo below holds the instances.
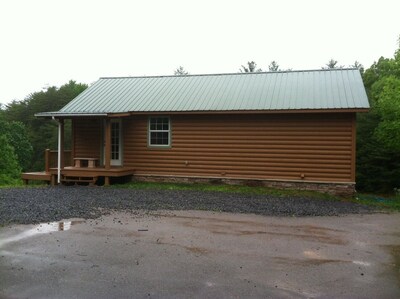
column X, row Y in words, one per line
column 36, row 176
column 87, row 172
column 78, row 174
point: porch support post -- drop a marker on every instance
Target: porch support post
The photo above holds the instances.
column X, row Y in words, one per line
column 60, row 152
column 107, row 151
column 62, row 144
column 47, row 160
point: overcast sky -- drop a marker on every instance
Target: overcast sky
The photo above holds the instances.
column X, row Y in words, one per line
column 49, row 42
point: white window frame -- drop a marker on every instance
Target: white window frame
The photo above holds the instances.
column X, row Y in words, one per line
column 149, row 130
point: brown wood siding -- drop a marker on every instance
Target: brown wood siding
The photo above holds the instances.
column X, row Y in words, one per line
column 318, row 146
column 87, row 137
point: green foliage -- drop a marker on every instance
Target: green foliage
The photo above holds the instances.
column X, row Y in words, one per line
column 378, row 201
column 358, row 65
column 273, row 66
column 9, row 168
column 384, row 67
column 225, row 188
column 332, row 64
column 388, row 107
column 17, row 137
column 378, row 132
column 180, row 71
column 42, row 133
column 251, row 68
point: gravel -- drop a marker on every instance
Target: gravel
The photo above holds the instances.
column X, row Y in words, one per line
column 44, row 204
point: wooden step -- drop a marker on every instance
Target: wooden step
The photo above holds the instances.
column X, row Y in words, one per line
column 80, row 179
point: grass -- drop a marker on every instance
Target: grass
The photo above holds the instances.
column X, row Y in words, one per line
column 387, row 202
column 16, row 184
column 225, row 188
column 20, row 184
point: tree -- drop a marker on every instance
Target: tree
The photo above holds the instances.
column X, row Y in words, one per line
column 378, row 155
column 42, row 133
column 273, row 66
column 180, row 71
column 9, row 168
column 388, row 107
column 17, row 137
column 358, row 65
column 251, row 68
column 332, row 64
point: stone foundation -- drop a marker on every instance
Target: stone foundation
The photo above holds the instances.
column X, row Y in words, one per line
column 338, row 189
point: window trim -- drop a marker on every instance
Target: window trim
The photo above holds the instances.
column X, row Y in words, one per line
column 149, row 131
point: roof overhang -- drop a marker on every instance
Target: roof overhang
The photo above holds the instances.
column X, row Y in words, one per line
column 126, row 114
column 68, row 115
column 286, row 111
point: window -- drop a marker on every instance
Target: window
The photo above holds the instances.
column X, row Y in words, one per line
column 159, row 131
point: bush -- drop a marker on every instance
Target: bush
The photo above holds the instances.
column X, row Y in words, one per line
column 9, row 168
column 17, row 137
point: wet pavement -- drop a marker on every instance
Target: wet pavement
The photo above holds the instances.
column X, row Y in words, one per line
column 203, row 255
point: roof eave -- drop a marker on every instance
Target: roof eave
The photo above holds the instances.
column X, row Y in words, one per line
column 67, row 115
column 277, row 111
column 125, row 114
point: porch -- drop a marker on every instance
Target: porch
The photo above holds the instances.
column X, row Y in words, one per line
column 70, row 173
column 68, row 166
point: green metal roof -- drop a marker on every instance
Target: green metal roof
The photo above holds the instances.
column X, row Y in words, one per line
column 288, row 90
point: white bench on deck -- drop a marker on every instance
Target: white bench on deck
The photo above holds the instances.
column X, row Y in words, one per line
column 91, row 162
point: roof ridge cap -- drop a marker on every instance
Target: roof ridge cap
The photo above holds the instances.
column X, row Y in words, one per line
column 231, row 74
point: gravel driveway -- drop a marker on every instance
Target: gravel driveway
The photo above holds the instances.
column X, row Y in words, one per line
column 43, row 204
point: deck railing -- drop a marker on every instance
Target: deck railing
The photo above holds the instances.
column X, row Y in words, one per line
column 50, row 158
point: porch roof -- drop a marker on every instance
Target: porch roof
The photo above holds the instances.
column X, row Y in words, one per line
column 333, row 89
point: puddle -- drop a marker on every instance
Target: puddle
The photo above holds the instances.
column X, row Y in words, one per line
column 43, row 228
column 312, row 254
column 306, row 262
column 361, row 263
column 316, row 256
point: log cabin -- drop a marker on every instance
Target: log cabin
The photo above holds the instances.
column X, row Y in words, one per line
column 287, row 129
